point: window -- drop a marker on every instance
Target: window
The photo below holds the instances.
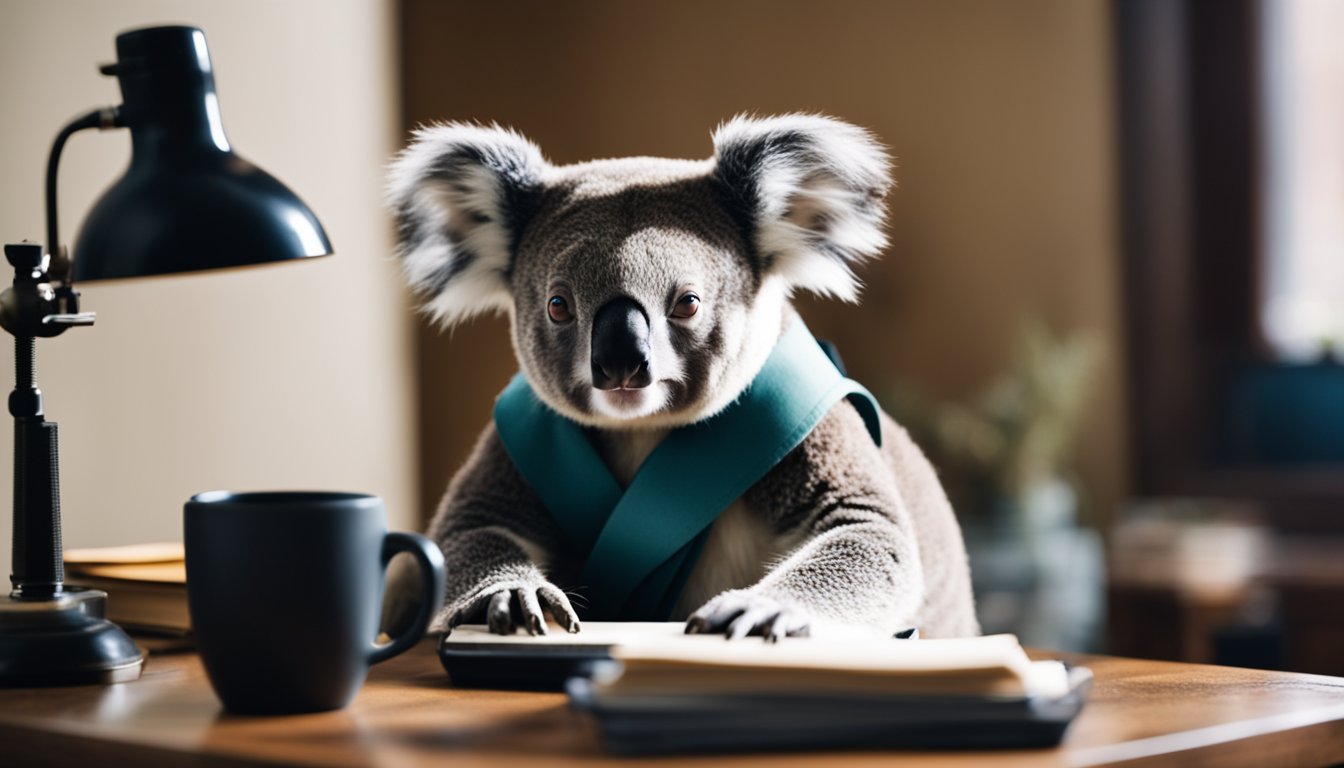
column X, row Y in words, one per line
column 1302, row 311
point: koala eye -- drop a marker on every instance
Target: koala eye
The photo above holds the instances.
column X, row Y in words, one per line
column 558, row 308
column 686, row 306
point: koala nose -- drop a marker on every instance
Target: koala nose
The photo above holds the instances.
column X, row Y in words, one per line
column 621, row 346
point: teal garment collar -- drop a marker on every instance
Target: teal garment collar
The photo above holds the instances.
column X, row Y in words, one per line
column 643, row 542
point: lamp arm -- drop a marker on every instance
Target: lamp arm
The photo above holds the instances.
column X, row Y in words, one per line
column 103, row 119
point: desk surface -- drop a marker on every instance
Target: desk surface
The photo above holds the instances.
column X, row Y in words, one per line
column 1140, row 713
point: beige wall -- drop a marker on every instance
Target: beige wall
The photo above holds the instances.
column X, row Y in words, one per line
column 999, row 113
column 292, row 376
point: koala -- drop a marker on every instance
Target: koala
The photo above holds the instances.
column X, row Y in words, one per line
column 644, row 295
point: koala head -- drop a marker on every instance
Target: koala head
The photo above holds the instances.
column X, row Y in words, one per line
column 642, row 292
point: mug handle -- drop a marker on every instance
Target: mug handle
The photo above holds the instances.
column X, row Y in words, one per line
column 430, row 558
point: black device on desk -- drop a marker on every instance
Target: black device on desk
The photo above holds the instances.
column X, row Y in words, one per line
column 476, row 658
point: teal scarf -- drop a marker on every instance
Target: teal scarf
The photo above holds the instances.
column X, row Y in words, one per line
column 643, row 542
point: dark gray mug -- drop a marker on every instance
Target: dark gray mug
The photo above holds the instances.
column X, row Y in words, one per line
column 285, row 590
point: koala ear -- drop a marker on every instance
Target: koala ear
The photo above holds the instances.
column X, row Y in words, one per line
column 462, row 194
column 810, row 190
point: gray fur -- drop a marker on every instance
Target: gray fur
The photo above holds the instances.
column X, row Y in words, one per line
column 840, row 531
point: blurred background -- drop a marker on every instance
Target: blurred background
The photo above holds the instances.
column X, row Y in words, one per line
column 1111, row 310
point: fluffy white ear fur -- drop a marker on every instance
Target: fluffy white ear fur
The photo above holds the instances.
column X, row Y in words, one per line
column 812, row 189
column 461, row 194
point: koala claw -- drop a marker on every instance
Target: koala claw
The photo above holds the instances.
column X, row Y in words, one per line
column 739, row 613
column 499, row 616
column 559, row 606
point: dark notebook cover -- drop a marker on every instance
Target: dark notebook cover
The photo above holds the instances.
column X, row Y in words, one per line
column 669, row 725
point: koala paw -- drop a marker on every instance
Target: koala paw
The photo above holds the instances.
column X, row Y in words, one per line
column 508, row 606
column 739, row 613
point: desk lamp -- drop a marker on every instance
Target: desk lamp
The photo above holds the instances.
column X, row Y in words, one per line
column 186, row 203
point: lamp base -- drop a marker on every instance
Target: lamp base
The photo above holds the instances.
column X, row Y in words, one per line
column 63, row 640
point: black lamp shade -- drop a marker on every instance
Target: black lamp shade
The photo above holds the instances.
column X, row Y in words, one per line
column 187, row 202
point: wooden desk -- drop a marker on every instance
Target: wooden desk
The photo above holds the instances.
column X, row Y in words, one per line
column 1140, row 713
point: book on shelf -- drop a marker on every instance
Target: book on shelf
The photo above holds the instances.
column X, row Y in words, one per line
column 146, row 584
